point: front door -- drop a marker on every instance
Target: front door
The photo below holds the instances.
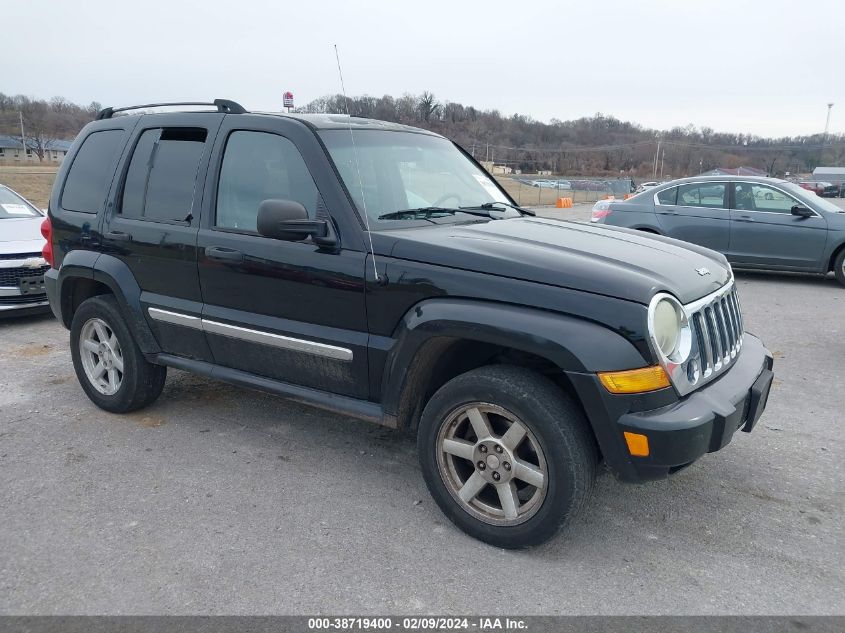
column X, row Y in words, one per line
column 765, row 233
column 289, row 311
column 696, row 212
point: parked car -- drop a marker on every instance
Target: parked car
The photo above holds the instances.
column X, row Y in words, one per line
column 755, row 222
column 645, row 186
column 820, row 188
column 378, row 271
column 21, row 264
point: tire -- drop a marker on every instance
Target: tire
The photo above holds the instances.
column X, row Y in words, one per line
column 506, row 397
column 839, row 267
column 99, row 326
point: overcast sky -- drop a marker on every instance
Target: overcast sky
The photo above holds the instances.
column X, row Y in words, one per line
column 763, row 67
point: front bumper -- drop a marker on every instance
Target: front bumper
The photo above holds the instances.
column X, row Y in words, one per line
column 12, row 302
column 681, row 431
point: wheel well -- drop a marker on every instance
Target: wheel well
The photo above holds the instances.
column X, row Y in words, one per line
column 75, row 291
column 834, row 255
column 443, row 358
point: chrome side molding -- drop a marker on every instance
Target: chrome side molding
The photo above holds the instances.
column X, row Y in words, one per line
column 250, row 335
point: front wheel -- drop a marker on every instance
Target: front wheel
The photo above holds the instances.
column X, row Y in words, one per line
column 507, row 455
column 109, row 365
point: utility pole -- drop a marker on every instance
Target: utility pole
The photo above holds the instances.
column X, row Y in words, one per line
column 662, row 159
column 656, row 156
column 23, row 136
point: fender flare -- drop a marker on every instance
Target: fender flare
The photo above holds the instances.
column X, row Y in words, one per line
column 572, row 344
column 115, row 274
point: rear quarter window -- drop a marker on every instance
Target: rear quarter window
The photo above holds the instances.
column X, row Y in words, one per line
column 88, row 181
column 668, row 196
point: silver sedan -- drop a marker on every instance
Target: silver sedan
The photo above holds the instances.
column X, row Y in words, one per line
column 757, row 223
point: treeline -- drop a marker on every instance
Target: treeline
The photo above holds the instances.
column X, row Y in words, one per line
column 599, row 145
column 43, row 121
column 596, row 145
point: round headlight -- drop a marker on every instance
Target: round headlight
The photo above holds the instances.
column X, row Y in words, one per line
column 667, row 327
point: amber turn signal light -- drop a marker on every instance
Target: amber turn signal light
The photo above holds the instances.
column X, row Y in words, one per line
column 634, row 380
column 637, row 444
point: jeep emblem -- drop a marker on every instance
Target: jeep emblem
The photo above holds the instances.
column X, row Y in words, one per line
column 702, row 271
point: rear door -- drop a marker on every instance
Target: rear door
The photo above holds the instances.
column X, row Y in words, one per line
column 765, row 233
column 289, row 311
column 696, row 212
column 152, row 222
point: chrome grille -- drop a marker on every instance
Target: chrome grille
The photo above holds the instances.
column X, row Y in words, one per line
column 717, row 325
column 11, row 277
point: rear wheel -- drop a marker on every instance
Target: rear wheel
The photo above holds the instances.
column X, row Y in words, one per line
column 507, row 455
column 839, row 267
column 109, row 365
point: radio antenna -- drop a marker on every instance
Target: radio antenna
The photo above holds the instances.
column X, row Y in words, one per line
column 357, row 164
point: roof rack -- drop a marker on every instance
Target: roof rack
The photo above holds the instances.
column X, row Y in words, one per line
column 223, row 105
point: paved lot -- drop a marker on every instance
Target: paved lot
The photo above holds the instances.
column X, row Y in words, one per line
column 221, row 500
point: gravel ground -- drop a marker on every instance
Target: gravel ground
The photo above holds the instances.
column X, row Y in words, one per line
column 221, row 500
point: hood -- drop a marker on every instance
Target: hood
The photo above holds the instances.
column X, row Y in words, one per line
column 21, row 235
column 598, row 259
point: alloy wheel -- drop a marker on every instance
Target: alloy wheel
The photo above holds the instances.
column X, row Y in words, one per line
column 492, row 464
column 101, row 355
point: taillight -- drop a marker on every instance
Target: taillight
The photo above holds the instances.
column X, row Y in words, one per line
column 600, row 210
column 47, row 232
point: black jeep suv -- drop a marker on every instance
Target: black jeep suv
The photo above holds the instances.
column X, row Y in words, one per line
column 376, row 270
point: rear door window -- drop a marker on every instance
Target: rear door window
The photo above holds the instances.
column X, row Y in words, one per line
column 161, row 180
column 709, row 195
column 88, row 181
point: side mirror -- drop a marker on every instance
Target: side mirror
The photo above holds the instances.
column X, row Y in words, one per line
column 802, row 211
column 288, row 220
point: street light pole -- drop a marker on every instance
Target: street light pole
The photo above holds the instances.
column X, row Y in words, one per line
column 827, row 122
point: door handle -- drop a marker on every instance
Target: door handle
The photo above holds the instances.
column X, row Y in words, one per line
column 668, row 212
column 118, row 236
column 224, row 254
column 745, row 218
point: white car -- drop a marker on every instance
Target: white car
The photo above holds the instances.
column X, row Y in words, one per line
column 22, row 266
column 647, row 185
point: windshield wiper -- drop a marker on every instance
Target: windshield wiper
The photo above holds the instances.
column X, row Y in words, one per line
column 491, row 206
column 422, row 212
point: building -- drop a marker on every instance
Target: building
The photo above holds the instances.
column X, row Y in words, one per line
column 735, row 171
column 11, row 151
column 496, row 170
column 835, row 175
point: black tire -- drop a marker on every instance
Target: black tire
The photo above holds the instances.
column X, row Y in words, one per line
column 839, row 267
column 555, row 420
column 141, row 381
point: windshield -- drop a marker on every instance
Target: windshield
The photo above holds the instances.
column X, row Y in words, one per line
column 817, row 201
column 13, row 206
column 405, row 170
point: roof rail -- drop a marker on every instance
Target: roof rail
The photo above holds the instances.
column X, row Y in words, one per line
column 223, row 105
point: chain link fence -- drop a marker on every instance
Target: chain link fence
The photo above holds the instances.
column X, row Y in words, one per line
column 545, row 191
